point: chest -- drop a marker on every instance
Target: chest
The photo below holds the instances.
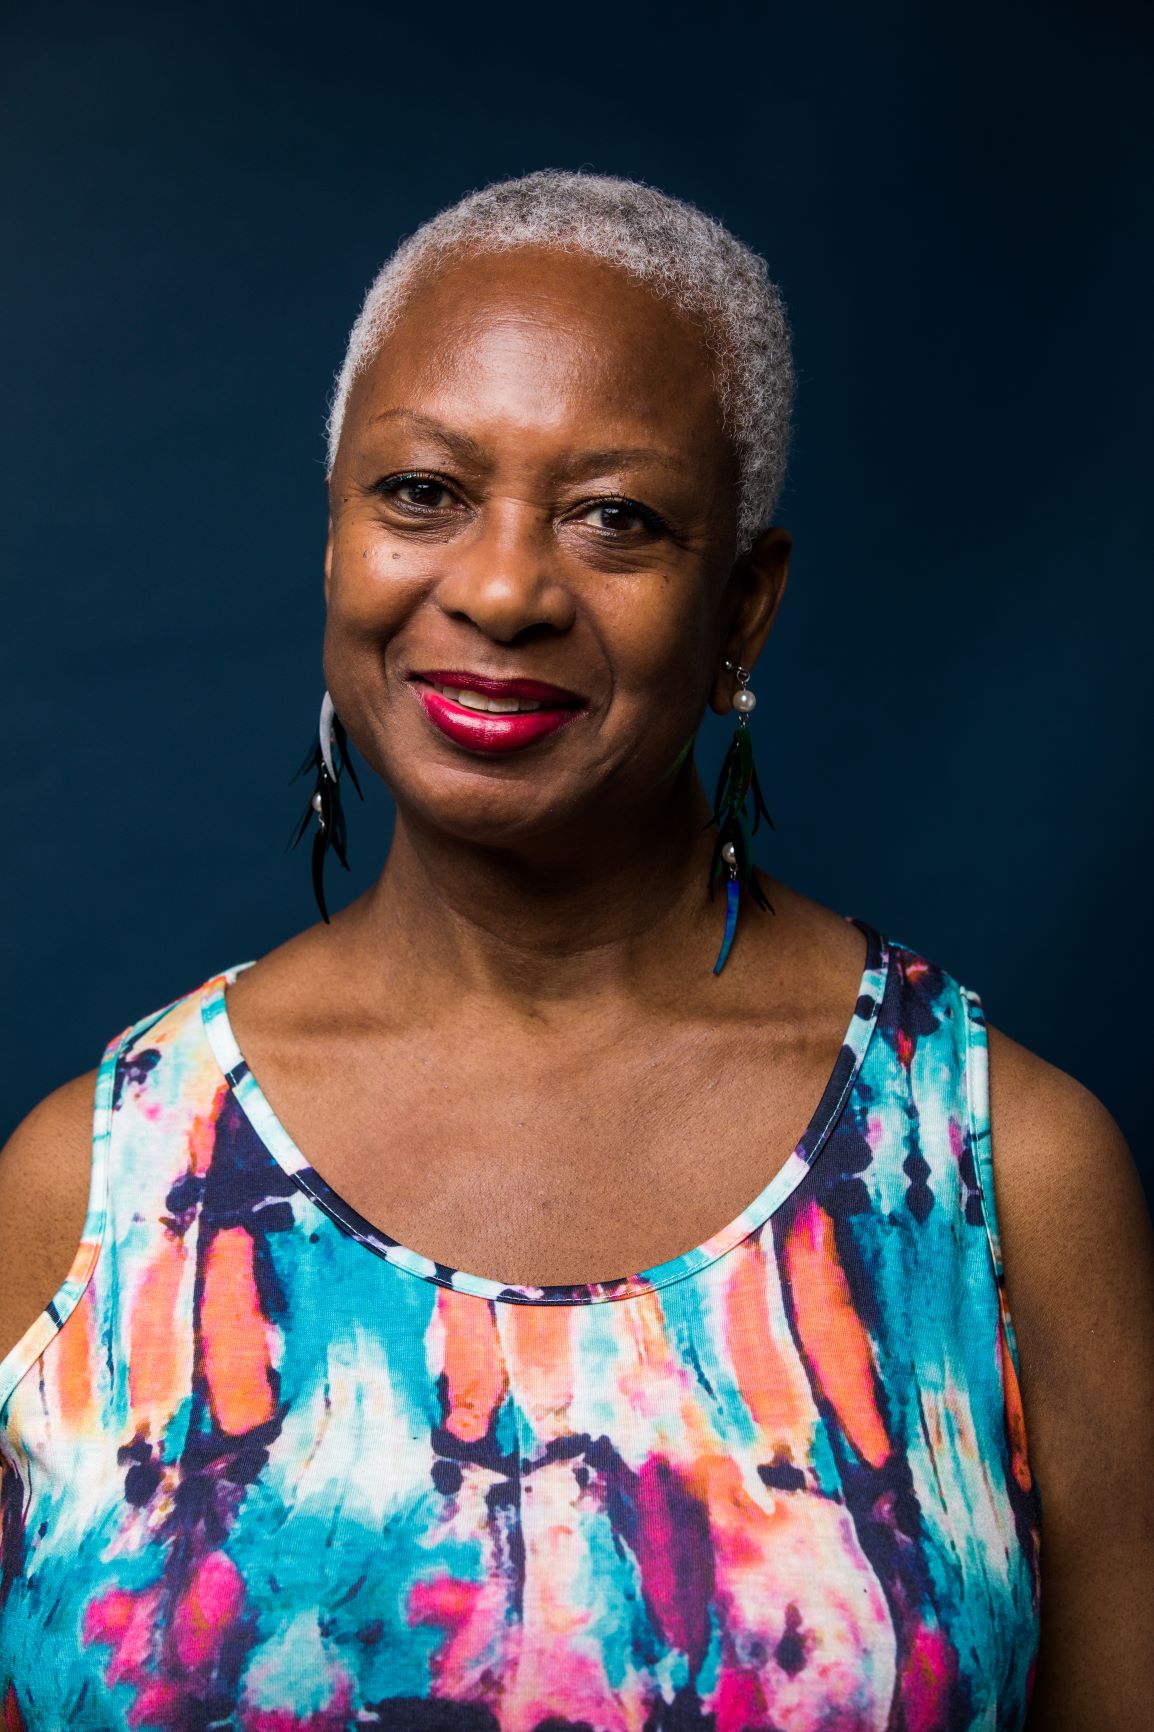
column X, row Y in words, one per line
column 466, row 1515
column 552, row 1161
column 271, row 1474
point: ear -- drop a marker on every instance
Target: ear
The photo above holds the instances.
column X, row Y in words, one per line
column 752, row 598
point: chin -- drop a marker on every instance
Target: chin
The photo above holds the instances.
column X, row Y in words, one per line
column 488, row 808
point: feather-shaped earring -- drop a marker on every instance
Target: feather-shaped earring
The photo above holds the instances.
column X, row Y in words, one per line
column 327, row 759
column 737, row 786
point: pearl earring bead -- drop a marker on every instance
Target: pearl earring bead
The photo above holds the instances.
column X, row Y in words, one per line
column 317, row 802
column 744, row 701
column 729, row 854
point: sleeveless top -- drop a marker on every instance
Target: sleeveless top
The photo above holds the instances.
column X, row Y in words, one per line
column 264, row 1468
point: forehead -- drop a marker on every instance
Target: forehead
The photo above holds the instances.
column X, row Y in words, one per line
column 551, row 339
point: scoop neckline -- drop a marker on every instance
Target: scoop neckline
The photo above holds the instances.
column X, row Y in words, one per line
column 279, row 1145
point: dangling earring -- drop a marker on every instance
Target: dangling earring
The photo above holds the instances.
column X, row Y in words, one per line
column 733, row 851
column 328, row 758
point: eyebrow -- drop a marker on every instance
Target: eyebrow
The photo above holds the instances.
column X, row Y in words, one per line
column 580, row 464
column 619, row 456
column 459, row 443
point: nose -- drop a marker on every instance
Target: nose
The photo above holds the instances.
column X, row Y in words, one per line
column 506, row 578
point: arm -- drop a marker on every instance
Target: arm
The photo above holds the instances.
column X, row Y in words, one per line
column 1079, row 1261
column 44, row 1174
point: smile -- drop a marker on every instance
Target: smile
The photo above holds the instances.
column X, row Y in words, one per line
column 493, row 706
column 493, row 716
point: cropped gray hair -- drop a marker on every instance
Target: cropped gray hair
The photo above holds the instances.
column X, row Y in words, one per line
column 684, row 255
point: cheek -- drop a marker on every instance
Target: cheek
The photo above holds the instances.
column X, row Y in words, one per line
column 373, row 587
column 662, row 654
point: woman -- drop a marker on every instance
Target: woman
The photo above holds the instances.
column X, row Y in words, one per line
column 401, row 1445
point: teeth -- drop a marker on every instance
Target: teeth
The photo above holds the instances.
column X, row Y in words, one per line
column 482, row 701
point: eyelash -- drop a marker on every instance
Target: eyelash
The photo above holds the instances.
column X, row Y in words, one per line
column 391, row 484
column 651, row 519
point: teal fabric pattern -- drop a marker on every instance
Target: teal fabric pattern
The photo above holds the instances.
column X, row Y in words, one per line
column 264, row 1468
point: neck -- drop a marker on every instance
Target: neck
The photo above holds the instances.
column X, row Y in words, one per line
column 566, row 921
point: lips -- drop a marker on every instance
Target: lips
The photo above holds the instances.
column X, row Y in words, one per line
column 492, row 715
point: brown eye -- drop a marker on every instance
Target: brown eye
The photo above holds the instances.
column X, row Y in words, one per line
column 416, row 493
column 618, row 517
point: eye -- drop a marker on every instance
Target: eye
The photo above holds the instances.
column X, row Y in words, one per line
column 417, row 494
column 620, row 517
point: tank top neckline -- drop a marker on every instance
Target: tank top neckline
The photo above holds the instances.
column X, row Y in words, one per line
column 279, row 1145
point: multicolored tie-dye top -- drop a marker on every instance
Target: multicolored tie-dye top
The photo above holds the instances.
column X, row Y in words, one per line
column 265, row 1468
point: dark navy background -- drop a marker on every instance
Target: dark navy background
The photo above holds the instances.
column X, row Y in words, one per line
column 954, row 718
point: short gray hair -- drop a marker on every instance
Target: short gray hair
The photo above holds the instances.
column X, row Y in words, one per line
column 684, row 255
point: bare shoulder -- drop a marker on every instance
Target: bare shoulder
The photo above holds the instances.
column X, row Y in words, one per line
column 1070, row 1202
column 45, row 1169
column 1076, row 1233
column 1079, row 1262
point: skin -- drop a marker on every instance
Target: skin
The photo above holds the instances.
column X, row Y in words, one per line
column 543, row 920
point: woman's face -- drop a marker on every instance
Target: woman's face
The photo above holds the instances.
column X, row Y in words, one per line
column 534, row 484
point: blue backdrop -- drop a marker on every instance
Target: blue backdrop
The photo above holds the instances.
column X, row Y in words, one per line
column 954, row 715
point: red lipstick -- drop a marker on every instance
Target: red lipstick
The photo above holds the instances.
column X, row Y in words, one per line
column 499, row 729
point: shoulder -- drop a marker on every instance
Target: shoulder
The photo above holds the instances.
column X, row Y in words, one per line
column 156, row 1075
column 1079, row 1269
column 44, row 1177
column 1072, row 1217
column 1069, row 1200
